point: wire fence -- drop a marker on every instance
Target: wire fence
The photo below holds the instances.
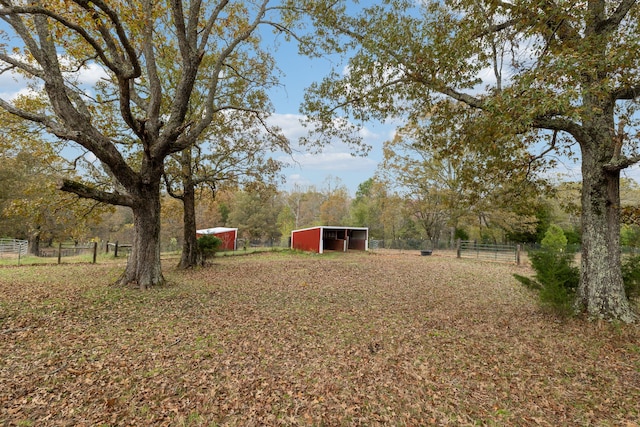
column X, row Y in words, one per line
column 13, row 251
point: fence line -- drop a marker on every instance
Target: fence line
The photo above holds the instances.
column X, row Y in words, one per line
column 69, row 251
column 503, row 253
column 13, row 247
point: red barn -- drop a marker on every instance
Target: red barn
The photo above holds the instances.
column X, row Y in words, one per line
column 324, row 238
column 227, row 235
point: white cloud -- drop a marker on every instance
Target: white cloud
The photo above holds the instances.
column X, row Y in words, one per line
column 91, row 74
column 290, row 124
column 333, row 161
column 13, row 84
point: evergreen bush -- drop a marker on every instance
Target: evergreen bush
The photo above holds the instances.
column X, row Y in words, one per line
column 631, row 277
column 209, row 245
column 556, row 278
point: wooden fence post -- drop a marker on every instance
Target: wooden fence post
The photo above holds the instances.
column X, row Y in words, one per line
column 518, row 254
column 458, row 243
column 95, row 251
column 115, row 251
column 59, row 252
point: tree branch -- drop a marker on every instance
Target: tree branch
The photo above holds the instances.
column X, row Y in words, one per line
column 621, row 163
column 616, row 17
column 496, row 28
column 87, row 192
column 627, row 93
column 561, row 124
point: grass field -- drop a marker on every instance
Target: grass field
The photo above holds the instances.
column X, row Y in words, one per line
column 297, row 339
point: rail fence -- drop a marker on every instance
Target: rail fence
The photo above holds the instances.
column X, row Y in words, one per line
column 502, row 253
column 12, row 248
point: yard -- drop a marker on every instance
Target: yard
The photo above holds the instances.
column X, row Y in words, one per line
column 301, row 339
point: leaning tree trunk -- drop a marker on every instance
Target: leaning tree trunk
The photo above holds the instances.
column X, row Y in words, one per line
column 191, row 255
column 143, row 267
column 601, row 291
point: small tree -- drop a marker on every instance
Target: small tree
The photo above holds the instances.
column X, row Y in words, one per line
column 556, row 278
column 208, row 246
column 554, row 239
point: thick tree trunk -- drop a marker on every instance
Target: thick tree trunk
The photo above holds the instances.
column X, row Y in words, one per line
column 143, row 267
column 191, row 255
column 601, row 290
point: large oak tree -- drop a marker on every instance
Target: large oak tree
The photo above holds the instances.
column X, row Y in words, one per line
column 135, row 116
column 564, row 74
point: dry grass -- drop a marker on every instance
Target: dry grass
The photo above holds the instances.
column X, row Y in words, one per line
column 298, row 339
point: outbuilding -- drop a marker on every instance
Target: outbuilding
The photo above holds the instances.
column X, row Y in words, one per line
column 228, row 236
column 324, row 238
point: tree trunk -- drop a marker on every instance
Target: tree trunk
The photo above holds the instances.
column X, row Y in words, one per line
column 601, row 290
column 34, row 246
column 191, row 255
column 143, row 266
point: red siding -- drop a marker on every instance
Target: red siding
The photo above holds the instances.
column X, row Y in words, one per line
column 306, row 240
column 228, row 240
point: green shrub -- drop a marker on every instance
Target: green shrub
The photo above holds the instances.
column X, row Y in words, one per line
column 209, row 245
column 631, row 276
column 556, row 278
column 554, row 239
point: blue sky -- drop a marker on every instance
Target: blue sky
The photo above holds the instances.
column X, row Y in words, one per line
column 336, row 161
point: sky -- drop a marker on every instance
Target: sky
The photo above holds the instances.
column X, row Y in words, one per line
column 336, row 162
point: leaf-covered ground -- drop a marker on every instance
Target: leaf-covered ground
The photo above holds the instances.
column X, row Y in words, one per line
column 298, row 339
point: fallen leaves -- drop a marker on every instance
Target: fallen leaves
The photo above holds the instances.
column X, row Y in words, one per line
column 282, row 339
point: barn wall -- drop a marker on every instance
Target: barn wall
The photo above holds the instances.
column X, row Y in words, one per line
column 358, row 240
column 228, row 240
column 306, row 240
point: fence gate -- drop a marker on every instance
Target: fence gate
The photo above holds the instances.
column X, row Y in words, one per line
column 13, row 247
column 502, row 253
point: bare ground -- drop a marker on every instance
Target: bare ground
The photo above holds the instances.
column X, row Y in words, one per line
column 298, row 339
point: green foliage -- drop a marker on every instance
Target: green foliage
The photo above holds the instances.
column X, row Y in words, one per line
column 542, row 215
column 631, row 276
column 209, row 245
column 556, row 278
column 573, row 237
column 528, row 282
column 461, row 234
column 630, row 235
column 554, row 239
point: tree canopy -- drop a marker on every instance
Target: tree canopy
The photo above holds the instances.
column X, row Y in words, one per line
column 166, row 70
column 527, row 79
